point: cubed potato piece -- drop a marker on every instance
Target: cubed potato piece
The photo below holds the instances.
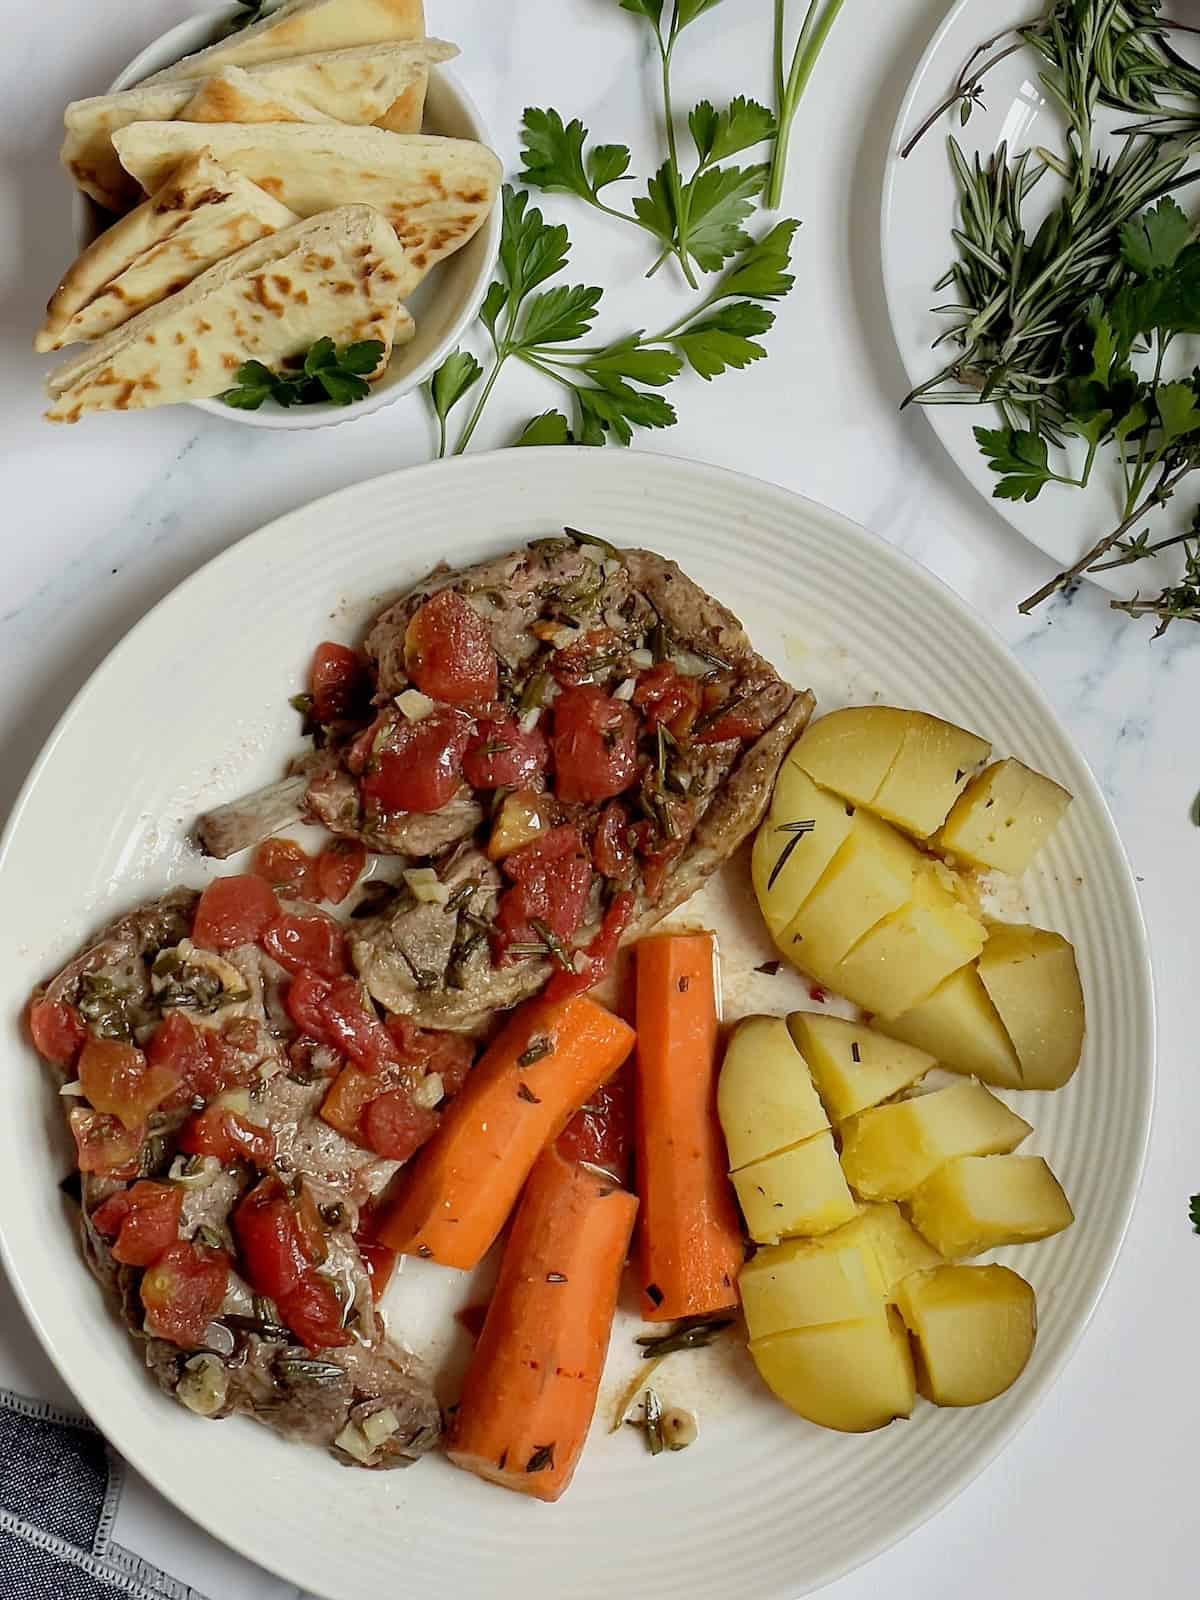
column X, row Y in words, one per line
column 851, row 751
column 977, row 1203
column 904, row 959
column 803, row 1283
column 801, row 1190
column 959, row 1025
column 886, row 1233
column 852, row 1376
column 1003, row 817
column 787, row 862
column 765, row 1096
column 852, row 1067
column 1032, row 980
column 974, row 1328
column 888, row 1150
column 930, row 771
column 871, row 875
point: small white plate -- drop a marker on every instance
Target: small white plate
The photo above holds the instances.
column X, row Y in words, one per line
column 444, row 305
column 192, row 709
column 920, row 206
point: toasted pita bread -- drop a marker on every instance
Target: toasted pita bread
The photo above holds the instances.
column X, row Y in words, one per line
column 435, row 192
column 202, row 214
column 340, row 275
column 232, row 95
column 303, row 26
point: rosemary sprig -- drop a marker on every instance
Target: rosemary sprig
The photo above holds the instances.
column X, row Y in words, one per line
column 689, row 1333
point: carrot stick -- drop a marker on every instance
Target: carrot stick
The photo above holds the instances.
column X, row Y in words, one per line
column 690, row 1244
column 530, row 1390
column 458, row 1192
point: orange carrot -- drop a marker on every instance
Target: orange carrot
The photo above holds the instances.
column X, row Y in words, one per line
column 690, row 1244
column 530, row 1390
column 541, row 1067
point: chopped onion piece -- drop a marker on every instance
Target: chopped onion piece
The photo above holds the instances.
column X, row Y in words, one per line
column 414, row 704
column 429, row 1091
column 530, row 720
column 236, row 1100
column 73, row 1088
column 206, row 1171
column 679, row 1428
column 355, row 1443
column 426, row 886
column 203, row 1384
column 641, row 658
column 624, row 691
column 689, row 665
column 611, row 567
column 614, row 620
column 381, row 1425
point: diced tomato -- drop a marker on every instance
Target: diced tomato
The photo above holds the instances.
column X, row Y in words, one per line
column 395, row 1127
column 117, row 1079
column 600, row 1131
column 307, row 944
column 448, row 652
column 380, row 1263
column 552, row 877
column 303, row 1004
column 665, row 696
column 347, row 1097
column 503, row 756
column 203, row 1061
column 450, row 1055
column 419, row 767
column 234, row 911
column 611, row 847
column 355, row 1028
column 143, row 1221
column 288, row 868
column 339, row 867
column 104, row 1145
column 182, row 1292
column 58, row 1031
column 582, row 660
column 277, row 1261
column 598, row 958
column 594, row 745
column 657, row 850
column 336, row 682
column 217, row 1131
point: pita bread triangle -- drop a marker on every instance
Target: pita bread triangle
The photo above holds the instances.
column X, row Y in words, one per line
column 435, row 192
column 202, row 214
column 339, row 276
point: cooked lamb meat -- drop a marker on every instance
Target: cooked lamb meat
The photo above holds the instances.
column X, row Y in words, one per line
column 591, row 719
column 207, row 1173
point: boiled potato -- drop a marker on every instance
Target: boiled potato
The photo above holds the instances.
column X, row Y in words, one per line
column 871, row 875
column 882, row 1229
column 786, row 863
column 974, row 1328
column 1003, row 817
column 854, row 1068
column 851, row 751
column 806, row 1282
column 801, row 1190
column 958, row 1024
column 902, row 960
column 852, row 1376
column 1032, row 980
column 765, row 1097
column 928, row 774
column 977, row 1203
column 888, row 1150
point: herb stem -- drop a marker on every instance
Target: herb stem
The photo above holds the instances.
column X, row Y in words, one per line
column 813, row 34
column 666, row 49
column 472, row 422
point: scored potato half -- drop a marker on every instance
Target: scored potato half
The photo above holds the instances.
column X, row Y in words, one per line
column 959, row 1025
column 974, row 1328
column 806, row 1282
column 803, row 831
column 907, row 766
column 766, row 1101
column 977, row 1203
column 891, row 1149
column 798, row 1191
column 851, row 1376
column 1003, row 818
column 853, row 1067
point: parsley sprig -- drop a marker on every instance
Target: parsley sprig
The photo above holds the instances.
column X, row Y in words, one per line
column 698, row 218
column 610, row 388
column 326, row 373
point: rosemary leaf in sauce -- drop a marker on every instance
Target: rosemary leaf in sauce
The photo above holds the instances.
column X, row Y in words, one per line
column 541, row 1459
column 611, row 552
column 797, row 831
column 524, row 1092
column 537, row 1050
column 769, row 968
column 652, row 1423
column 553, row 944
column 556, row 1277
column 689, row 1333
column 855, row 1052
column 632, row 1390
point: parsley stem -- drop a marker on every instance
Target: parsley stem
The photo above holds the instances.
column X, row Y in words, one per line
column 678, row 198
column 469, row 427
column 813, row 34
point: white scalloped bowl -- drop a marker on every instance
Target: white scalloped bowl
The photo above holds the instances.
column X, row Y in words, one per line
column 444, row 305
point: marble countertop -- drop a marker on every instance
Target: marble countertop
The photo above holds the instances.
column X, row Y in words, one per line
column 1095, row 1497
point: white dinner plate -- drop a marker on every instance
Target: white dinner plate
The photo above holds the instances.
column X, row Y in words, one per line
column 920, row 206
column 192, row 709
